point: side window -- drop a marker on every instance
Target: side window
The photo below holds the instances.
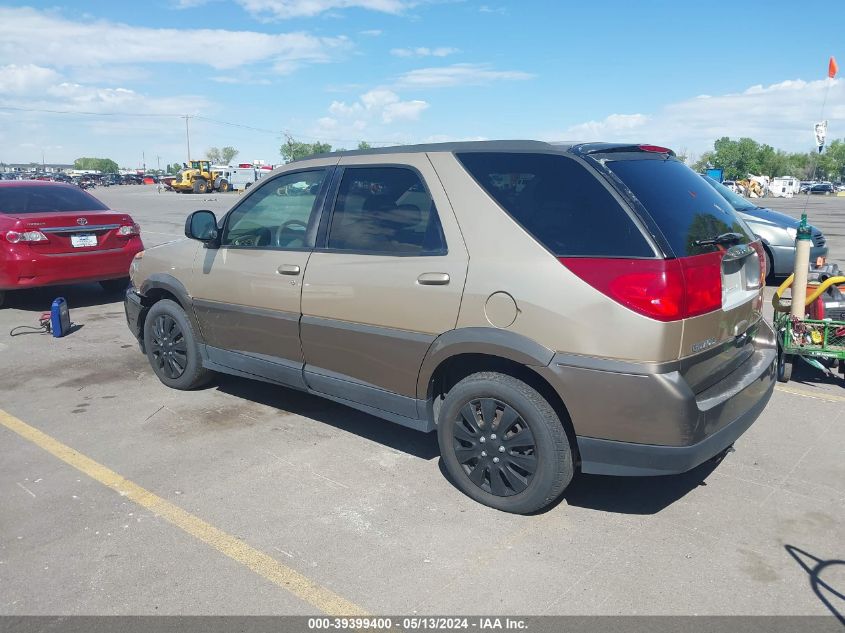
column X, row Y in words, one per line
column 385, row 210
column 558, row 202
column 277, row 214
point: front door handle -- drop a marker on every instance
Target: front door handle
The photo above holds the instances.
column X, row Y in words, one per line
column 288, row 269
column 433, row 279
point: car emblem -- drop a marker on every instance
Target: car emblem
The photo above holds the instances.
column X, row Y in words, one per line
column 81, row 221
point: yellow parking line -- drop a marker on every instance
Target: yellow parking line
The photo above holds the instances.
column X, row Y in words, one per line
column 828, row 397
column 259, row 562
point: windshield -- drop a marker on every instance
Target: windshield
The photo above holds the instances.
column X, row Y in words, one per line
column 40, row 199
column 737, row 201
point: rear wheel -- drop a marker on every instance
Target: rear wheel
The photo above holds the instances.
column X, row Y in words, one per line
column 784, row 366
column 200, row 186
column 113, row 286
column 767, row 256
column 503, row 444
column 224, row 186
column 172, row 347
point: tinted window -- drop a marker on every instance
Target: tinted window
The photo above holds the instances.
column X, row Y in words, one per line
column 682, row 204
column 559, row 202
column 385, row 210
column 39, row 199
column 277, row 214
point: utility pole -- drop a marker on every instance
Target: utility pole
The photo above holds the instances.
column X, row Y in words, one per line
column 43, row 167
column 158, row 163
column 188, row 135
column 144, row 161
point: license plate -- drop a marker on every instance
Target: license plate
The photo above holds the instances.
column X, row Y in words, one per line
column 80, row 240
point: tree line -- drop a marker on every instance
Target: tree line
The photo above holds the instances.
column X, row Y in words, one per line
column 292, row 149
column 739, row 158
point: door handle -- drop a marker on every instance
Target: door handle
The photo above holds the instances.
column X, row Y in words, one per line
column 433, row 279
column 288, row 269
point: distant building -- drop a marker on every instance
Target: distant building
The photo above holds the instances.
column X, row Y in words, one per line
column 23, row 168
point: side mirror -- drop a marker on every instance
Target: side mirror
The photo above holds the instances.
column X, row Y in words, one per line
column 202, row 226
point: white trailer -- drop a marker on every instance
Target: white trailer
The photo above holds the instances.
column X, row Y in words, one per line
column 784, row 187
column 239, row 178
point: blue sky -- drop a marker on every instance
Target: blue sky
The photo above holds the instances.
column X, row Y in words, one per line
column 398, row 71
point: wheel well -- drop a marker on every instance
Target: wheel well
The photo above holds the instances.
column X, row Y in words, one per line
column 455, row 368
column 153, row 296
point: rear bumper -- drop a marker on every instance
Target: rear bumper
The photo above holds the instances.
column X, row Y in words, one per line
column 634, row 419
column 23, row 268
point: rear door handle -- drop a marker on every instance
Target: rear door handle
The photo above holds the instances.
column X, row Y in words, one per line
column 433, row 279
column 288, row 269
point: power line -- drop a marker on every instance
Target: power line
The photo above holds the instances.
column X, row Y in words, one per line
column 242, row 126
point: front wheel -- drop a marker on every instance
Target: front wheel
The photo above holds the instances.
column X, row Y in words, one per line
column 503, row 444
column 172, row 347
column 784, row 365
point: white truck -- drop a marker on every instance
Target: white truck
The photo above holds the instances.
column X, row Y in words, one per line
column 240, row 177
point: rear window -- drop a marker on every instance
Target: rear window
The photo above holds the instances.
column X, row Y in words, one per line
column 40, row 199
column 559, row 202
column 683, row 205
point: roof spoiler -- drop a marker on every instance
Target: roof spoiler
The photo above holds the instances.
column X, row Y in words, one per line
column 616, row 148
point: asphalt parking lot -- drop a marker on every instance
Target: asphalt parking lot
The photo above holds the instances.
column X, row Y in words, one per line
column 120, row 496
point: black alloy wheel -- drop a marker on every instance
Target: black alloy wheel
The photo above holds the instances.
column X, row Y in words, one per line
column 168, row 347
column 495, row 447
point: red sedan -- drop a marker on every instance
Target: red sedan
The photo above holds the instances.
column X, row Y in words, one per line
column 51, row 233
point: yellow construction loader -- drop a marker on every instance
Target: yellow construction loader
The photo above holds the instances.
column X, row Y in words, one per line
column 199, row 178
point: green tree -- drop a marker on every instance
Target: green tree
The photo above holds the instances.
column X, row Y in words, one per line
column 103, row 165
column 292, row 149
column 228, row 153
column 704, row 162
column 213, row 154
column 736, row 158
column 364, row 145
column 831, row 163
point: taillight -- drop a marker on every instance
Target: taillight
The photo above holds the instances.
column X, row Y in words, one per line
column 662, row 289
column 129, row 229
column 27, row 236
column 657, row 149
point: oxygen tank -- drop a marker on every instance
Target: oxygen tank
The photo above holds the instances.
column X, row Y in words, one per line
column 803, row 244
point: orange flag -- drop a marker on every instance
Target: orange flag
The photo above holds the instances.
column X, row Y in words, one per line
column 832, row 68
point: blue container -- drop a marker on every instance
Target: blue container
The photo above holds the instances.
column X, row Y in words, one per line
column 59, row 318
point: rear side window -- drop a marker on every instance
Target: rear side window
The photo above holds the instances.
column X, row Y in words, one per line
column 385, row 210
column 682, row 204
column 16, row 200
column 559, row 202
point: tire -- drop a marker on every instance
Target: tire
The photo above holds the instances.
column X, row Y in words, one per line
column 200, row 186
column 784, row 366
column 767, row 256
column 113, row 286
column 496, row 469
column 171, row 347
column 224, row 186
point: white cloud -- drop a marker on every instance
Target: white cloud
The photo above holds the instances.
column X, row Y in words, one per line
column 424, row 51
column 485, row 8
column 377, row 104
column 371, row 32
column 26, row 79
column 781, row 115
column 73, row 43
column 285, row 9
column 459, row 75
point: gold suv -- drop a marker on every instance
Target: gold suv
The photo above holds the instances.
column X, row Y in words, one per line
column 545, row 308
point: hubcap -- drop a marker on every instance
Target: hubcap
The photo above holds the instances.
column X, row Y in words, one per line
column 495, row 447
column 168, row 347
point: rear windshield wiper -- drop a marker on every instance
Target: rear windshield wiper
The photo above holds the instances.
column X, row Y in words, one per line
column 723, row 238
